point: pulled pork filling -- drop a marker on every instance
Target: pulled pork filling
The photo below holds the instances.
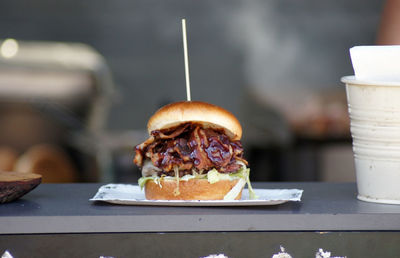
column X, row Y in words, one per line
column 190, row 148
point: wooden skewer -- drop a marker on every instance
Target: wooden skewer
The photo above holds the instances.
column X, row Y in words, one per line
column 185, row 53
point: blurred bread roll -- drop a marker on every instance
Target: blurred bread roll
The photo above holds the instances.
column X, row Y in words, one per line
column 8, row 157
column 49, row 161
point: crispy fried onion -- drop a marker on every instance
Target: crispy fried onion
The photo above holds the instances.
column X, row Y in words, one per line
column 171, row 133
column 190, row 148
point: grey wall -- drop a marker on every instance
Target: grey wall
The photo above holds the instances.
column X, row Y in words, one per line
column 276, row 49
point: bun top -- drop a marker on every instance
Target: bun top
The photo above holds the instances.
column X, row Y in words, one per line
column 208, row 115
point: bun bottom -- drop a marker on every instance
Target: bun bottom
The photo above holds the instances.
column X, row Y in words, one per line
column 193, row 189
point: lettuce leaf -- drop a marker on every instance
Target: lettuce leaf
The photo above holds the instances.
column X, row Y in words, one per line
column 214, row 176
column 244, row 173
column 234, row 192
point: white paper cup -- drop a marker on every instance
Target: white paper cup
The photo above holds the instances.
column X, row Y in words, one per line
column 374, row 109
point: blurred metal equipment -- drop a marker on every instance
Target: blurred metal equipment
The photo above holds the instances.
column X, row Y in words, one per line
column 56, row 93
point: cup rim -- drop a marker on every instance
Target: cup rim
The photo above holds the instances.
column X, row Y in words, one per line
column 351, row 79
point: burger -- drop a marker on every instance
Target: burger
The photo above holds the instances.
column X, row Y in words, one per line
column 193, row 153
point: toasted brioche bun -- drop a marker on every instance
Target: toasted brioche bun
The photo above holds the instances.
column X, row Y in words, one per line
column 193, row 189
column 208, row 115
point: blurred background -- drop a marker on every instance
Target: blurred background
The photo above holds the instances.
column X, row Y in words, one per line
column 79, row 80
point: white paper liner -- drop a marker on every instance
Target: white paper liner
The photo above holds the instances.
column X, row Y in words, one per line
column 132, row 195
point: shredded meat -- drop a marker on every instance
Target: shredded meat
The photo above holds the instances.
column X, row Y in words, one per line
column 191, row 148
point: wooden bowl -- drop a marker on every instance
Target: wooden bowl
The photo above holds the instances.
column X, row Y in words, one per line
column 14, row 185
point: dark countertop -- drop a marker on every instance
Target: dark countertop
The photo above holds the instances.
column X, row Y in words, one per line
column 65, row 208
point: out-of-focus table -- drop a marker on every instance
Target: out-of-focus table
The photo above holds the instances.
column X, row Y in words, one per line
column 57, row 220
